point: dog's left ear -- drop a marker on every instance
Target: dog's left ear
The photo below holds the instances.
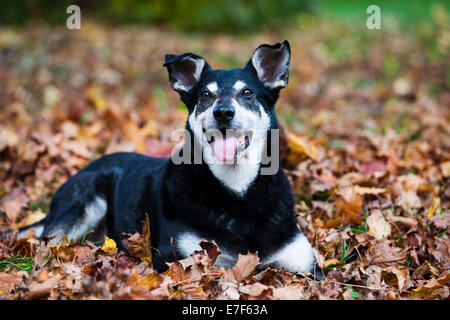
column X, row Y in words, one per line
column 185, row 70
column 271, row 64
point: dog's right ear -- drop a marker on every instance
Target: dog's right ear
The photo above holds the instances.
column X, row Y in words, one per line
column 185, row 70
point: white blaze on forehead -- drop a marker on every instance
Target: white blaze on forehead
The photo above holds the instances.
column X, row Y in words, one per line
column 239, row 85
column 212, row 87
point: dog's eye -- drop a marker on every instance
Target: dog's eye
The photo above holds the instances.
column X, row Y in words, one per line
column 205, row 94
column 247, row 93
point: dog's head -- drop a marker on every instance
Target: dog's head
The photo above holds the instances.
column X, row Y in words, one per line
column 231, row 111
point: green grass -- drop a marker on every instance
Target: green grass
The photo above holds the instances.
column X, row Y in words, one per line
column 346, row 249
column 19, row 263
column 359, row 229
column 406, row 14
column 40, row 204
column 345, row 256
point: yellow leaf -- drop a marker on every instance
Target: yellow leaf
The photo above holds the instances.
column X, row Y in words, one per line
column 33, row 217
column 95, row 95
column 302, row 146
column 333, row 262
column 138, row 282
column 109, row 246
column 318, row 223
column 435, row 205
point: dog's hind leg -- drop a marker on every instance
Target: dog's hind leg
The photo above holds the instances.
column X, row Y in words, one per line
column 78, row 219
column 80, row 205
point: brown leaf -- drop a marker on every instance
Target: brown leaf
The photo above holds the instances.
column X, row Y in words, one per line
column 211, row 249
column 39, row 290
column 427, row 290
column 349, row 204
column 255, row 289
column 244, row 268
column 442, row 220
column 409, row 222
column 8, row 281
column 384, row 254
column 139, row 245
column 289, row 293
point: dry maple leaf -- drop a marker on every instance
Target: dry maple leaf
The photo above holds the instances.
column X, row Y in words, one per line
column 349, row 204
column 299, row 147
column 427, row 290
column 244, row 268
column 139, row 245
column 109, row 246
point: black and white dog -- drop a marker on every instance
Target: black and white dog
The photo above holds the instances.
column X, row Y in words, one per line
column 224, row 197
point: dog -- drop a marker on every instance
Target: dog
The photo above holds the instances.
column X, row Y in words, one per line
column 224, row 197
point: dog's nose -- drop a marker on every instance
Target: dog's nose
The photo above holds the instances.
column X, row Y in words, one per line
column 223, row 113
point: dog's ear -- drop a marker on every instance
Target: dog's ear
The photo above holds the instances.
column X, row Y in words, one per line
column 185, row 70
column 271, row 64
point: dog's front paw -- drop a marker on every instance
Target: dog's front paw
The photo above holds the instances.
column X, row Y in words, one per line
column 296, row 256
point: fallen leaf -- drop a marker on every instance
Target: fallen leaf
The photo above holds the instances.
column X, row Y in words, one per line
column 427, row 290
column 244, row 267
column 379, row 228
column 288, row 293
column 8, row 281
column 109, row 246
column 301, row 147
column 435, row 206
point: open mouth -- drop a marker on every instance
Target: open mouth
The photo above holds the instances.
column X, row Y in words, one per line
column 227, row 143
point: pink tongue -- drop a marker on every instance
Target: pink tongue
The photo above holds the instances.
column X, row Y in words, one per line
column 225, row 149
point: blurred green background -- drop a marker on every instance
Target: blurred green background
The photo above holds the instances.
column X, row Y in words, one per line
column 227, row 16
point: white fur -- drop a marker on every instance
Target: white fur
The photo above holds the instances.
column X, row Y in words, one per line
column 256, row 61
column 38, row 230
column 239, row 85
column 212, row 87
column 279, row 83
column 296, row 256
column 188, row 242
column 93, row 215
column 199, row 64
column 178, row 86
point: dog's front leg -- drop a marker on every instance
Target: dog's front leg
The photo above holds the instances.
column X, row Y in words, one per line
column 296, row 256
